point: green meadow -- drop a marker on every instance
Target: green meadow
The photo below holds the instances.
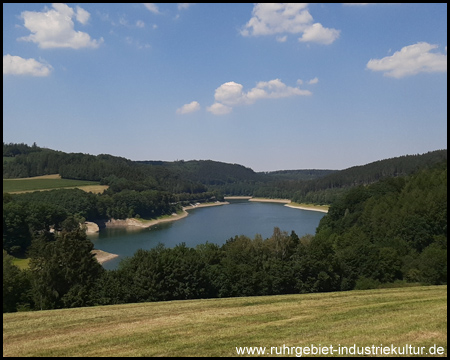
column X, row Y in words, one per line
column 44, row 183
column 415, row 317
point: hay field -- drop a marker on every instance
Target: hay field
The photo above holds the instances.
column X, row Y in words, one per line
column 414, row 316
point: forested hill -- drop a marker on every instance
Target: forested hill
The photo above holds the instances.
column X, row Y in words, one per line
column 209, row 172
column 307, row 174
column 393, row 167
column 326, row 189
column 199, row 176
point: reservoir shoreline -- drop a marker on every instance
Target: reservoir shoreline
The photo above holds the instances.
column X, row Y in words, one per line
column 93, row 228
column 102, row 256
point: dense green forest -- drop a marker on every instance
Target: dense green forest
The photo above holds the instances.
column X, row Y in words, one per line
column 387, row 224
column 197, row 176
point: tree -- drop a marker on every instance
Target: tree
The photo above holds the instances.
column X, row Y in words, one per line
column 64, row 271
column 15, row 285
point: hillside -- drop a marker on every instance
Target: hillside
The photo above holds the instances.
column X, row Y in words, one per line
column 390, row 231
column 326, row 189
column 197, row 176
column 209, row 172
column 411, row 317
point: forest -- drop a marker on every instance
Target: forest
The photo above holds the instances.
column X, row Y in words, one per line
column 386, row 226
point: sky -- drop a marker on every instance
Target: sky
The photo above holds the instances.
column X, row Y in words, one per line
column 267, row 86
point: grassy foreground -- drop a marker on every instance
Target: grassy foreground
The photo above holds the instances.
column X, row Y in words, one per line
column 415, row 316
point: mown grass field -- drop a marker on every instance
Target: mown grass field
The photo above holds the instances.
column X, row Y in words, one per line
column 415, row 316
column 49, row 182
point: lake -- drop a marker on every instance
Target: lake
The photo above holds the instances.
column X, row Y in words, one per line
column 214, row 224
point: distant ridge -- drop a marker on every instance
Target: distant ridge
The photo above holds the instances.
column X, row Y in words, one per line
column 200, row 176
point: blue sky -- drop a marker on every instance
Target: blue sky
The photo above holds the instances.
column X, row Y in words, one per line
column 268, row 86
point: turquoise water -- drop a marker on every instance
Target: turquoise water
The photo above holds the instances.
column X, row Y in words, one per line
column 214, row 224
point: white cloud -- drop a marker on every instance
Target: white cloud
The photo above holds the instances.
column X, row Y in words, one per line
column 276, row 18
column 231, row 93
column 313, row 81
column 291, row 18
column 219, row 109
column 55, row 28
column 274, row 89
column 140, row 24
column 82, row 15
column 317, row 33
column 152, row 7
column 15, row 65
column 189, row 108
column 410, row 60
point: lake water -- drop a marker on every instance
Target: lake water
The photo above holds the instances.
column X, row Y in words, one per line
column 214, row 224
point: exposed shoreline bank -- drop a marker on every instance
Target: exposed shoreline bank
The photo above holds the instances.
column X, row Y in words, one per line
column 174, row 217
column 93, row 228
column 281, row 201
column 287, row 202
column 103, row 256
column 320, row 208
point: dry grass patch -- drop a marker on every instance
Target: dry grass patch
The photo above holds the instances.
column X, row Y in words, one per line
column 96, row 189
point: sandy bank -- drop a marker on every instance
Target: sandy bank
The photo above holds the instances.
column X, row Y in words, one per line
column 133, row 222
column 312, row 208
column 287, row 203
column 195, row 206
column 282, row 201
column 91, row 227
column 237, row 197
column 103, row 256
column 290, row 204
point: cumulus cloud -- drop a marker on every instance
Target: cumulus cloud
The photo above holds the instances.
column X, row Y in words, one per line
column 317, row 33
column 410, row 60
column 55, row 28
column 291, row 18
column 15, row 65
column 274, row 89
column 152, row 7
column 219, row 109
column 231, row 94
column 313, row 81
column 82, row 15
column 189, row 108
